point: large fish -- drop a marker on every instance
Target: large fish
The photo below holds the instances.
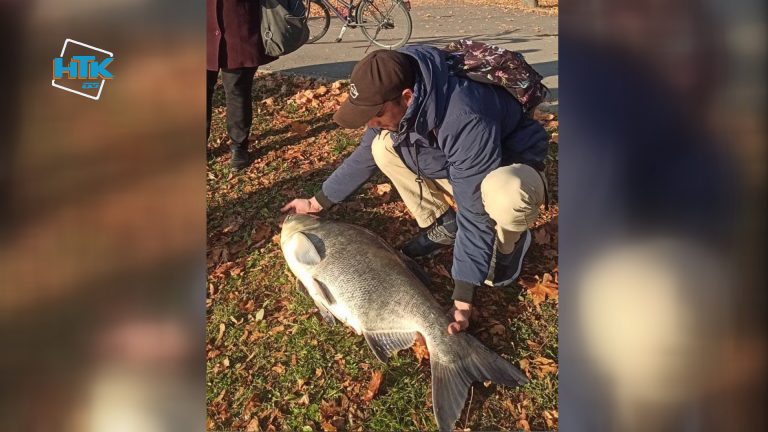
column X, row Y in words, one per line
column 354, row 276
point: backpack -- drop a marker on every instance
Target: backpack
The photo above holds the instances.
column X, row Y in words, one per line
column 493, row 65
column 283, row 26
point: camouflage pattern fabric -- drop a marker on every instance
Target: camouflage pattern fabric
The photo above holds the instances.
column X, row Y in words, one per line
column 498, row 66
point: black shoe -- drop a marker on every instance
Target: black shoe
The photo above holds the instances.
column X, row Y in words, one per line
column 505, row 268
column 440, row 235
column 241, row 158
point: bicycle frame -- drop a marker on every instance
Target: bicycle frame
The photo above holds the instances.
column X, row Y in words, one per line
column 351, row 21
column 349, row 5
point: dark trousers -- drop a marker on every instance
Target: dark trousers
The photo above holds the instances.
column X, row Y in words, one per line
column 237, row 91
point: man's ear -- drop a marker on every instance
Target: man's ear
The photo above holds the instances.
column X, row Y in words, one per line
column 407, row 96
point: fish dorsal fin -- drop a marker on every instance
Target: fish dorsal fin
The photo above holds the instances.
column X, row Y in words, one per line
column 305, row 251
column 385, row 343
column 319, row 294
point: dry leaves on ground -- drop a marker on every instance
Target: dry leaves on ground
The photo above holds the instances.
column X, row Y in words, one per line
column 420, row 348
column 543, row 288
column 540, row 366
column 373, row 386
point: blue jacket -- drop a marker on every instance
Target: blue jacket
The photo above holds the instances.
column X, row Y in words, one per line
column 463, row 130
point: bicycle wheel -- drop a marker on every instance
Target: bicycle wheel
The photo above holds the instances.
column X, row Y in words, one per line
column 386, row 23
column 318, row 20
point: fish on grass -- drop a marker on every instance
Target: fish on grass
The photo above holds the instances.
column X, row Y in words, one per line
column 355, row 277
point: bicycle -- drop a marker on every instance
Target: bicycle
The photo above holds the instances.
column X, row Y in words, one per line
column 386, row 23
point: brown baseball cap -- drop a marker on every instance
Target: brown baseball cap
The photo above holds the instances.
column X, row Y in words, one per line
column 379, row 77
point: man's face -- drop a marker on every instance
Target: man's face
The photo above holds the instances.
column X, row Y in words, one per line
column 392, row 112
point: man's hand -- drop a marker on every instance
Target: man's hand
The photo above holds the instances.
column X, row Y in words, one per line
column 302, row 206
column 460, row 312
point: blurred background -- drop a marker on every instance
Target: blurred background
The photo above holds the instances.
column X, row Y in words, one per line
column 662, row 223
column 102, row 237
column 662, row 165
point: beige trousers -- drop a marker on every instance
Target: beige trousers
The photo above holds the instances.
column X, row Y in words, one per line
column 511, row 194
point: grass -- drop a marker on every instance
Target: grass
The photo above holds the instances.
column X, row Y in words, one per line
column 273, row 364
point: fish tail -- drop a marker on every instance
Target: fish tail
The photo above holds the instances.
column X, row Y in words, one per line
column 451, row 382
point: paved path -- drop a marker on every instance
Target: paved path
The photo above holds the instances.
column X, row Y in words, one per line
column 532, row 34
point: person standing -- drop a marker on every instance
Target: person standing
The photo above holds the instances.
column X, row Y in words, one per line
column 234, row 47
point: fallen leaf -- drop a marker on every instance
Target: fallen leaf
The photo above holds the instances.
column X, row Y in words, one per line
column 550, row 417
column 304, row 399
column 420, row 348
column 543, row 288
column 533, row 345
column 279, row 369
column 523, row 424
column 233, row 225
column 328, row 427
column 544, row 366
column 222, row 327
column 383, row 191
column 299, row 128
column 498, row 329
column 218, row 255
column 524, row 366
column 259, row 233
column 321, row 91
column 237, row 248
column 510, row 407
column 542, row 115
column 253, row 426
column 373, row 386
column 259, row 315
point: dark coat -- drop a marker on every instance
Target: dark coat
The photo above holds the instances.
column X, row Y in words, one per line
column 233, row 36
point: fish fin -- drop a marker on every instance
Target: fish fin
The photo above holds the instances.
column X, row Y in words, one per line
column 320, row 290
column 385, row 343
column 450, row 382
column 325, row 293
column 416, row 269
column 306, row 252
column 326, row 314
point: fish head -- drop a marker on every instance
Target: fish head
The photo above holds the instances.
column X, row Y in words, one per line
column 296, row 223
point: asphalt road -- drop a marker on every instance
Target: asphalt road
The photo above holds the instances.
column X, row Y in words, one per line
column 532, row 34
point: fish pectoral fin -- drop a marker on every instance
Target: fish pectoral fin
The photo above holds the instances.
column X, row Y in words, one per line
column 305, row 251
column 318, row 292
column 325, row 293
column 325, row 313
column 385, row 343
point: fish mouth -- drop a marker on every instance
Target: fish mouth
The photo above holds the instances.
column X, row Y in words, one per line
column 295, row 223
